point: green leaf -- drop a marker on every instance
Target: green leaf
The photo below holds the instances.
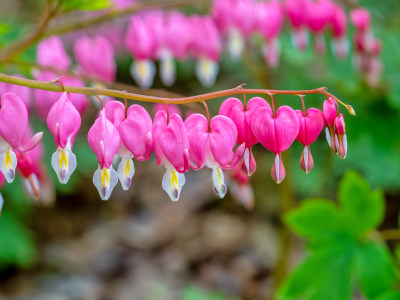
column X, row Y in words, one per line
column 88, row 5
column 323, row 275
column 362, row 205
column 390, row 295
column 374, row 268
column 319, row 220
column 16, row 243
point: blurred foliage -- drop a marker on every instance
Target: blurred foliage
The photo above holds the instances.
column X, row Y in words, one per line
column 344, row 247
column 194, row 293
column 87, row 5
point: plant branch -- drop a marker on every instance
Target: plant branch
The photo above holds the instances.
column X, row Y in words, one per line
column 390, row 234
column 26, row 41
column 51, row 86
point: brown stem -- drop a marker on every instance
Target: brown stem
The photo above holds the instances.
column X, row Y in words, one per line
column 50, row 86
column 390, row 234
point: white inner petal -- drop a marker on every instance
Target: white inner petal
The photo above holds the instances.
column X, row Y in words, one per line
column 64, row 164
column 143, row 72
column 1, row 202
column 337, row 143
column 105, row 180
column 8, row 163
column 206, row 71
column 247, row 160
column 172, row 183
column 345, row 145
column 219, row 182
column 126, row 170
column 277, row 165
column 167, row 68
column 328, row 136
column 235, row 44
column 306, row 158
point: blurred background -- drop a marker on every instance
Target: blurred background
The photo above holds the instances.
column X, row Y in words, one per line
column 141, row 245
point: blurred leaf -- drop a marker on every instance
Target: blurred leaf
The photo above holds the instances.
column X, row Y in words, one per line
column 390, row 295
column 16, row 243
column 360, row 203
column 323, row 275
column 374, row 268
column 88, row 5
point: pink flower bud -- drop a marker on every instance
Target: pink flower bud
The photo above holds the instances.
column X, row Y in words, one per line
column 96, row 57
column 51, row 53
column 104, row 140
column 276, row 133
column 240, row 188
column 329, row 110
column 233, row 109
column 311, row 125
column 64, row 122
column 341, row 138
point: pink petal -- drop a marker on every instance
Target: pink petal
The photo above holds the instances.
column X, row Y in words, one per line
column 311, row 125
column 115, row 112
column 197, row 133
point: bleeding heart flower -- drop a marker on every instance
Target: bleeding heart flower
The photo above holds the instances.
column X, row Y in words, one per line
column 296, row 11
column 339, row 30
column 311, row 124
column 212, row 146
column 276, row 133
column 341, row 138
column 361, row 19
column 135, row 131
column 240, row 188
column 44, row 100
column 269, row 17
column 329, row 110
column 172, row 108
column 242, row 117
column 207, row 47
column 141, row 42
column 104, row 140
column 171, row 146
column 13, row 129
column 64, row 122
column 96, row 57
column 51, row 53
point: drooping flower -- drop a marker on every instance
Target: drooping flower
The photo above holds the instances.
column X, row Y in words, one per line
column 311, row 124
column 269, row 20
column 96, row 57
column 207, row 48
column 276, row 132
column 13, row 128
column 329, row 109
column 212, row 145
column 361, row 19
column 135, row 131
column 240, row 188
column 339, row 30
column 44, row 100
column 51, row 53
column 35, row 178
column 141, row 42
column 242, row 116
column 319, row 15
column 175, row 43
column 171, row 147
column 64, row 122
column 23, row 92
column 340, row 136
column 235, row 19
column 296, row 11
column 104, row 140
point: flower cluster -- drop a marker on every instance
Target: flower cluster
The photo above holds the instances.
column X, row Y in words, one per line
column 219, row 143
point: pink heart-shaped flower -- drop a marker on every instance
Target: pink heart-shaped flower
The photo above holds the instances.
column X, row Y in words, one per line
column 311, row 125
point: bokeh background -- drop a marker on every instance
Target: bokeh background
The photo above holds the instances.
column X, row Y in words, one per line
column 139, row 244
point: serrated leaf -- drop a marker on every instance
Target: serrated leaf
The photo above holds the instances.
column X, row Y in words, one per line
column 314, row 278
column 362, row 205
column 16, row 243
column 374, row 268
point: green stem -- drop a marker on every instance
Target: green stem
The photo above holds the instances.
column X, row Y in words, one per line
column 51, row 86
